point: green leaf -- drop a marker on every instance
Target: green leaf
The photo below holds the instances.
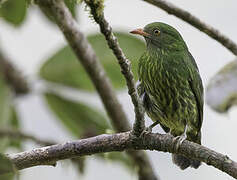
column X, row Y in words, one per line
column 4, row 102
column 14, row 11
column 80, row 119
column 14, row 120
column 221, row 92
column 5, row 108
column 80, row 163
column 64, row 68
column 14, row 123
column 5, row 164
column 8, row 116
column 8, row 176
column 71, row 4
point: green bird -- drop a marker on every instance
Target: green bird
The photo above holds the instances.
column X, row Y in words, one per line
column 170, row 86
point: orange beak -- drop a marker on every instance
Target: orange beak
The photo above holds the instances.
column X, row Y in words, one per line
column 140, row 32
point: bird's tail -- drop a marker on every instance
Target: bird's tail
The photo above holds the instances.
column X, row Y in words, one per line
column 184, row 162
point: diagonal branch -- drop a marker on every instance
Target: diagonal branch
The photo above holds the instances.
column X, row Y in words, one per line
column 195, row 22
column 12, row 76
column 120, row 142
column 89, row 60
column 97, row 12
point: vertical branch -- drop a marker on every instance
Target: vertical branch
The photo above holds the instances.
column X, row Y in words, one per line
column 89, row 60
column 125, row 65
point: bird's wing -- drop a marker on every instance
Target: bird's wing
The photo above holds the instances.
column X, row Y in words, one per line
column 147, row 103
column 196, row 86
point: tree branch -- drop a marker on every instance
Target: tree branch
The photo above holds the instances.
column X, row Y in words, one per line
column 12, row 76
column 125, row 65
column 195, row 22
column 123, row 141
column 120, row 142
column 87, row 57
column 89, row 60
column 16, row 134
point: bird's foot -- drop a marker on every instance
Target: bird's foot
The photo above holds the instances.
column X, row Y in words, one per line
column 146, row 131
column 179, row 140
column 149, row 128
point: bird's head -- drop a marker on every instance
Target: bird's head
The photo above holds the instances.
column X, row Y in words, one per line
column 162, row 36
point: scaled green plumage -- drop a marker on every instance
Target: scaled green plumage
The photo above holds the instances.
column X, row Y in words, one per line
column 170, row 85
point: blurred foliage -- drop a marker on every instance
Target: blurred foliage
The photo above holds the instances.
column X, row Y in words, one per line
column 71, row 4
column 14, row 123
column 8, row 117
column 120, row 157
column 5, row 101
column 80, row 119
column 14, row 11
column 83, row 121
column 5, row 104
column 8, row 176
column 80, row 163
column 6, row 166
column 63, row 67
column 221, row 93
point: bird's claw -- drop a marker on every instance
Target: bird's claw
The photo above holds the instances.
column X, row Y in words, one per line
column 146, row 131
column 179, row 140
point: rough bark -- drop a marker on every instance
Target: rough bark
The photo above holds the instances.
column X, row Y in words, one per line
column 120, row 142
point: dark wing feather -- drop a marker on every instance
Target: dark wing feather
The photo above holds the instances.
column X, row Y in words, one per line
column 196, row 86
column 147, row 102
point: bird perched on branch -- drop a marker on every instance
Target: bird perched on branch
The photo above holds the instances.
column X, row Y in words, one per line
column 170, row 86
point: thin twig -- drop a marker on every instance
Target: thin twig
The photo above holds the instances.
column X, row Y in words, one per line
column 16, row 134
column 89, row 60
column 195, row 22
column 125, row 65
column 120, row 142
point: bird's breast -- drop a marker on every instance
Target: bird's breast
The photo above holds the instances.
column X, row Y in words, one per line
column 167, row 89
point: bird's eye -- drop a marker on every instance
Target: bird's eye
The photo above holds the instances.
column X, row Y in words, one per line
column 156, row 32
